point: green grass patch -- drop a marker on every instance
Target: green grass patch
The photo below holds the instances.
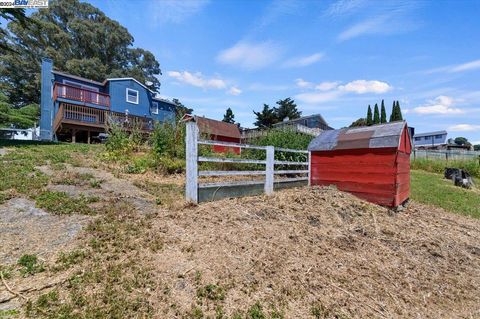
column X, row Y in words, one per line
column 7, row 314
column 433, row 189
column 30, row 265
column 438, row 166
column 60, row 203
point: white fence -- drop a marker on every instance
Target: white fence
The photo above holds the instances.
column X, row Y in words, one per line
column 445, row 154
column 192, row 175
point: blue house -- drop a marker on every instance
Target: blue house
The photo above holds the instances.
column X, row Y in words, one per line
column 78, row 109
column 430, row 139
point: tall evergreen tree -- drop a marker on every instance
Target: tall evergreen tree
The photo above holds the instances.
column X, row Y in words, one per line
column 396, row 112
column 399, row 112
column 392, row 115
column 369, row 116
column 265, row 118
column 383, row 114
column 286, row 108
column 376, row 115
column 229, row 117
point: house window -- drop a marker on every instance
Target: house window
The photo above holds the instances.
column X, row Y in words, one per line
column 132, row 96
column 418, row 138
column 154, row 107
column 438, row 136
column 428, row 138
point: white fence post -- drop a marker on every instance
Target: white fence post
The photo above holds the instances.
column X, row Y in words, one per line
column 191, row 187
column 269, row 170
column 309, row 167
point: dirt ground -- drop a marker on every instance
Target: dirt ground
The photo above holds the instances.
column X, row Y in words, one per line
column 301, row 253
column 305, row 249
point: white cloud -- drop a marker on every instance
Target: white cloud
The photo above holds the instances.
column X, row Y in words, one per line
column 301, row 83
column 440, row 105
column 370, row 26
column 234, row 91
column 326, row 86
column 175, row 11
column 197, row 79
column 468, row 66
column 332, row 90
column 464, row 127
column 302, row 61
column 317, row 97
column 343, row 7
column 364, row 86
column 250, row 56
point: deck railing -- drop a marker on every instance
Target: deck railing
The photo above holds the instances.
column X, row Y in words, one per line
column 82, row 95
column 90, row 116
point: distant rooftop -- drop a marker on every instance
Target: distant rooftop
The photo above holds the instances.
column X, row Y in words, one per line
column 431, row 133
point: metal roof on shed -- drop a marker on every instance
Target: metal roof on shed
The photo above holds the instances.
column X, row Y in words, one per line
column 214, row 127
column 375, row 136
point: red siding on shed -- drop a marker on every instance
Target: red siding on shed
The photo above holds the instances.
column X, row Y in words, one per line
column 379, row 175
column 225, row 149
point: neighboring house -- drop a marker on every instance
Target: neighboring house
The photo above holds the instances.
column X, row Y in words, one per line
column 315, row 121
column 311, row 125
column 217, row 131
column 76, row 109
column 430, row 140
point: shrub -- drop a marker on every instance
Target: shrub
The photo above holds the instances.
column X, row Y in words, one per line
column 168, row 140
column 118, row 142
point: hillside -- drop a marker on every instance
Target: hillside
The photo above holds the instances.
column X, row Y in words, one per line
column 117, row 245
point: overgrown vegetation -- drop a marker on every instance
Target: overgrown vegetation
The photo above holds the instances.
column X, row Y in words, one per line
column 433, row 189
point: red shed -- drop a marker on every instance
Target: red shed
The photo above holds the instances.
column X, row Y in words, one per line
column 217, row 131
column 371, row 162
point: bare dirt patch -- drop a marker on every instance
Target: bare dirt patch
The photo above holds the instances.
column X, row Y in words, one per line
column 26, row 229
column 318, row 253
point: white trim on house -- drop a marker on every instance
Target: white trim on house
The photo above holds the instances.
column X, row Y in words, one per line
column 73, row 83
column 126, row 95
column 154, row 108
column 124, row 79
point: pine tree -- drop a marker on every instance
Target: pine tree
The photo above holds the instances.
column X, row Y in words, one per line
column 392, row 115
column 383, row 114
column 265, row 118
column 229, row 117
column 399, row 112
column 369, row 116
column 376, row 115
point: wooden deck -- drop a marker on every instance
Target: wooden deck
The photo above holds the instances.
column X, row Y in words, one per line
column 77, row 118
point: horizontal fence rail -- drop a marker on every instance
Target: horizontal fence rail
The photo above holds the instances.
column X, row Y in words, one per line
column 445, row 154
column 242, row 187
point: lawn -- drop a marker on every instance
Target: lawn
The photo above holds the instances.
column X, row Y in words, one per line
column 433, row 189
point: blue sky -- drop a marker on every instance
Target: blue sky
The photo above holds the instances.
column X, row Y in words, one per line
column 332, row 58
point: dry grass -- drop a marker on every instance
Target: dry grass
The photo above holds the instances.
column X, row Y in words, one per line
column 319, row 253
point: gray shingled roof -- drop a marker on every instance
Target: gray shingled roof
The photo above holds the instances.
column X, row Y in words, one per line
column 375, row 136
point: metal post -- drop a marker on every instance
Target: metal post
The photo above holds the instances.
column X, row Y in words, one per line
column 269, row 170
column 191, row 185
